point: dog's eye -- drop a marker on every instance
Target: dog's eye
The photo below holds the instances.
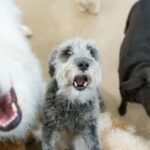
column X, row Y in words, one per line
column 66, row 53
column 93, row 52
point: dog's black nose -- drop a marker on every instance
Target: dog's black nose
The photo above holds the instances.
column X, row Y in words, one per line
column 83, row 65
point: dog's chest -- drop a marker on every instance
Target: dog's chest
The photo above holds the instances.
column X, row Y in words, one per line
column 72, row 115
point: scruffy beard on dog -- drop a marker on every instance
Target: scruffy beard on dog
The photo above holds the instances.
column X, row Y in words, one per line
column 21, row 84
column 73, row 99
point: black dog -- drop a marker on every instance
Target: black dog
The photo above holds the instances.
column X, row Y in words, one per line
column 134, row 66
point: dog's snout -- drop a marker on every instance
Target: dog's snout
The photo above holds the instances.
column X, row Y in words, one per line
column 83, row 65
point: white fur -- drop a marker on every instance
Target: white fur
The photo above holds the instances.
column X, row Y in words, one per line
column 18, row 68
column 116, row 136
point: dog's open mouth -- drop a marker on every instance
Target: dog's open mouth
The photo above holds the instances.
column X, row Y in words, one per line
column 10, row 113
column 81, row 82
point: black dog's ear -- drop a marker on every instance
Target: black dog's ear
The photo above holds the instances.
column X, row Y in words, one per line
column 130, row 16
column 132, row 83
column 52, row 62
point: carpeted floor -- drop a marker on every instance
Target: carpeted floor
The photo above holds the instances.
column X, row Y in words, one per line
column 53, row 21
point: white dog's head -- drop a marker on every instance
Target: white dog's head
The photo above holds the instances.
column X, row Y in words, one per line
column 75, row 65
column 21, row 91
column 21, row 84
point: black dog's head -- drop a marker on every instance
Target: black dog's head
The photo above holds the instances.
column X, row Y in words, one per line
column 138, row 87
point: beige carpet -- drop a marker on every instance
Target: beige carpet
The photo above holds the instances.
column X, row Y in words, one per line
column 53, row 21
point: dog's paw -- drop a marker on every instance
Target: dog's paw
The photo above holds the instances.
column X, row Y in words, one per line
column 122, row 110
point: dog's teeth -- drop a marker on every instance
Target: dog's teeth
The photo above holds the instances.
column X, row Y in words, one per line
column 75, row 84
column 85, row 84
column 13, row 118
column 14, row 108
column 7, row 122
column 15, row 115
column 4, row 125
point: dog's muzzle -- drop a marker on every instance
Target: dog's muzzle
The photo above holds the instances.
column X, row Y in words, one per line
column 81, row 81
column 83, row 65
column 10, row 113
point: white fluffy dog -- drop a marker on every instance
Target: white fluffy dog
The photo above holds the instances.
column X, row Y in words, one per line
column 116, row 135
column 21, row 84
column 92, row 6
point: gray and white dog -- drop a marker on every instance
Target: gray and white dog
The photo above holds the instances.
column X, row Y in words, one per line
column 73, row 98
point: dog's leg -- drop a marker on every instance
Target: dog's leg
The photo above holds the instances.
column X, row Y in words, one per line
column 123, row 105
column 91, row 137
column 50, row 139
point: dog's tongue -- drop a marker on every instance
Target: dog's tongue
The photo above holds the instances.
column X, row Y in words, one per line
column 80, row 81
column 5, row 106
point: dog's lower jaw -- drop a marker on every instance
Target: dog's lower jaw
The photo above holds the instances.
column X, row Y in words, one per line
column 73, row 94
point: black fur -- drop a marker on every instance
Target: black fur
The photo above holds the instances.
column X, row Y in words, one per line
column 134, row 65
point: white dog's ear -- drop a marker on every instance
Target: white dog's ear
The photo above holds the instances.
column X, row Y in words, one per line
column 52, row 62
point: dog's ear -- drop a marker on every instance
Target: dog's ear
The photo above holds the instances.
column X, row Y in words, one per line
column 94, row 51
column 52, row 62
column 132, row 83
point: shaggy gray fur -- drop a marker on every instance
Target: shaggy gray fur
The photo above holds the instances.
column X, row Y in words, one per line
column 61, row 113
